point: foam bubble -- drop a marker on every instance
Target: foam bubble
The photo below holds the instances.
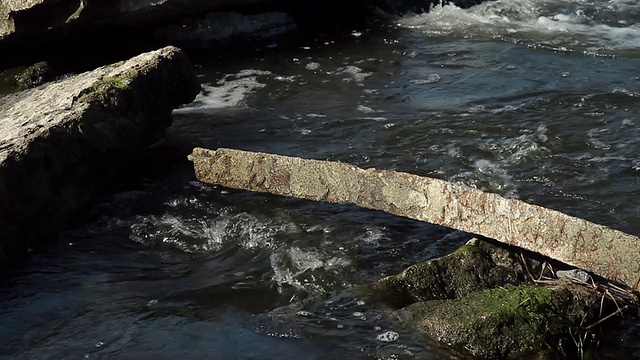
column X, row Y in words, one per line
column 354, row 72
column 312, row 66
column 388, row 336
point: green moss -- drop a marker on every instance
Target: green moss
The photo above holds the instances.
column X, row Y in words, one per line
column 34, row 75
column 107, row 91
column 468, row 269
column 498, row 323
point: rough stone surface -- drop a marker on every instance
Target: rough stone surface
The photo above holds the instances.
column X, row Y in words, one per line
column 472, row 267
column 222, row 27
column 64, row 142
column 510, row 322
column 33, row 16
column 480, row 300
column 607, row 252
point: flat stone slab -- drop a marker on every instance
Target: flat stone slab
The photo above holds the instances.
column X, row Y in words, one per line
column 604, row 251
column 64, row 142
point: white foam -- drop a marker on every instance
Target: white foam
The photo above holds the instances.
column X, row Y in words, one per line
column 289, row 265
column 373, row 235
column 354, row 72
column 431, row 79
column 565, row 26
column 365, row 109
column 230, row 91
column 202, row 234
column 312, row 66
column 388, row 336
column 313, row 115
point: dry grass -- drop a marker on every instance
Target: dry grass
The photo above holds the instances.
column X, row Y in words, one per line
column 623, row 298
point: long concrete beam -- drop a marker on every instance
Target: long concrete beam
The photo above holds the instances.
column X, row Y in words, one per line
column 604, row 251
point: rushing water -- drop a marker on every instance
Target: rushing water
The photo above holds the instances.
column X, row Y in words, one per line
column 532, row 99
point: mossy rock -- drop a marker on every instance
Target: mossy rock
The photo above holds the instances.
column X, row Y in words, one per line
column 476, row 266
column 510, row 322
column 34, row 75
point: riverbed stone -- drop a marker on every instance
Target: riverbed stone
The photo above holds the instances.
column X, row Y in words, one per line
column 481, row 301
column 476, row 266
column 511, row 321
column 65, row 142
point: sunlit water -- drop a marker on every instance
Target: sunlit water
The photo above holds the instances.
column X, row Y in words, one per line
column 536, row 100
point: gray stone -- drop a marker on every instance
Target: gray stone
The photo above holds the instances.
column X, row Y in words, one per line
column 574, row 274
column 224, row 26
column 64, row 142
column 25, row 17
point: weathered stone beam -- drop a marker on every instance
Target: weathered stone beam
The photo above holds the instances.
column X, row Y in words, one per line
column 596, row 248
column 65, row 142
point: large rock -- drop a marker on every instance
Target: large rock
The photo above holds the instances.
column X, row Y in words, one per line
column 481, row 301
column 476, row 266
column 36, row 30
column 36, row 16
column 73, row 33
column 64, row 142
column 514, row 322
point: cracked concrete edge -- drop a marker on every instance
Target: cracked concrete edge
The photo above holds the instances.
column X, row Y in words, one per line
column 604, row 251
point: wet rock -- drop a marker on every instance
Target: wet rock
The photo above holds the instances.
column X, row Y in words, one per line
column 65, row 142
column 478, row 265
column 18, row 17
column 511, row 321
column 34, row 75
column 222, row 27
column 481, row 301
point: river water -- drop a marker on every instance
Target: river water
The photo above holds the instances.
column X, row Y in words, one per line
column 533, row 99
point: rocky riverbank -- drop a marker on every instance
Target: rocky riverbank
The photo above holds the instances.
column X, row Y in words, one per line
column 72, row 35
column 64, row 143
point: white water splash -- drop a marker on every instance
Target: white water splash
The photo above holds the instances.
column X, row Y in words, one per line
column 495, row 173
column 230, row 91
column 591, row 27
column 206, row 234
column 295, row 267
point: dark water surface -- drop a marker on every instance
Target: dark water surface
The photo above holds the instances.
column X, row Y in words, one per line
column 532, row 99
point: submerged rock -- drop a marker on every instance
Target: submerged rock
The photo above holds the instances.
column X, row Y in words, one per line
column 65, row 142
